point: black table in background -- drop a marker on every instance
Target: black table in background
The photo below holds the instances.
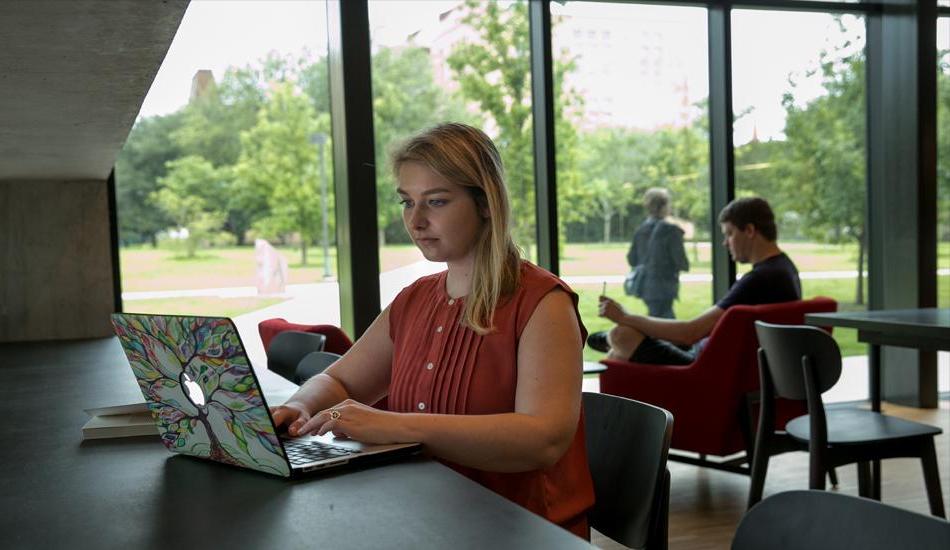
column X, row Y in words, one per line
column 925, row 329
column 59, row 492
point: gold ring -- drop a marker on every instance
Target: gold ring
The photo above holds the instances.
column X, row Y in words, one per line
column 334, row 414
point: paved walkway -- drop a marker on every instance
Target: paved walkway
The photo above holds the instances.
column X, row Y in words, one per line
column 318, row 303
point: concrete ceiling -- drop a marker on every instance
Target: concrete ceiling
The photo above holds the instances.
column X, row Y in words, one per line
column 73, row 76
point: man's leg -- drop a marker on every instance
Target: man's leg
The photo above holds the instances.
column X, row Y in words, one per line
column 623, row 341
column 628, row 344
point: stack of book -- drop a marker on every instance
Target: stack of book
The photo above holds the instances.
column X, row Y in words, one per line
column 120, row 421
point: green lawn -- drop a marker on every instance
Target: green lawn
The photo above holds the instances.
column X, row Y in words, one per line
column 697, row 297
column 144, row 269
column 221, row 307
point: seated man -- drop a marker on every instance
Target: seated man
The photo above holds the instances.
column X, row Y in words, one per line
column 748, row 227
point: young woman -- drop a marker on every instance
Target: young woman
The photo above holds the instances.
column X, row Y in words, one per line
column 481, row 363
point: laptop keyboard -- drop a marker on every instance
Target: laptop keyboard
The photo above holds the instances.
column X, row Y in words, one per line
column 305, row 452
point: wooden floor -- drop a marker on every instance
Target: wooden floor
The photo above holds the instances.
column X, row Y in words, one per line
column 706, row 505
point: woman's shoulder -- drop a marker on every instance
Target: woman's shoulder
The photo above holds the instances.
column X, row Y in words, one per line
column 425, row 285
column 670, row 228
column 535, row 278
column 536, row 283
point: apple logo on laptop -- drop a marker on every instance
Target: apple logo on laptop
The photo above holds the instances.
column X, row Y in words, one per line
column 193, row 391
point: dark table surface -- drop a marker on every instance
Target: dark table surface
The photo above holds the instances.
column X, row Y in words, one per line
column 57, row 491
column 927, row 328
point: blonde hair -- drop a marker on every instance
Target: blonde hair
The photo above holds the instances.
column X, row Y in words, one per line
column 657, row 200
column 466, row 156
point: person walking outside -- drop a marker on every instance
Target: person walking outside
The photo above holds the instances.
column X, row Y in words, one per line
column 657, row 255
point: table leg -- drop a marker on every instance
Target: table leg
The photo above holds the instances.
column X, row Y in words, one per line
column 874, row 377
column 874, row 388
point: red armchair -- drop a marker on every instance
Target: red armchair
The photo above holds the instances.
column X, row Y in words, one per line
column 337, row 340
column 709, row 398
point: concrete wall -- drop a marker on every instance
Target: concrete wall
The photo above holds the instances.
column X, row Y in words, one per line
column 56, row 278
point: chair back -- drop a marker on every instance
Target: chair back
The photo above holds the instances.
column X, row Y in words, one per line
column 288, row 348
column 337, row 340
column 819, row 520
column 786, row 346
column 627, row 447
column 313, row 364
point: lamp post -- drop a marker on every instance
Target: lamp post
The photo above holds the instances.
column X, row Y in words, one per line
column 319, row 139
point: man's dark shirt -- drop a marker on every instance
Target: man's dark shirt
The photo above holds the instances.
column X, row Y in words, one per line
column 771, row 281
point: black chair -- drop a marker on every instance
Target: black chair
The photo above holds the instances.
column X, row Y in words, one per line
column 627, row 446
column 820, row 520
column 313, row 364
column 801, row 362
column 288, row 348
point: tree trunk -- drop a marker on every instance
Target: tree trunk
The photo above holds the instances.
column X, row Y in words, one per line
column 859, row 294
column 607, row 228
column 303, row 251
column 381, row 235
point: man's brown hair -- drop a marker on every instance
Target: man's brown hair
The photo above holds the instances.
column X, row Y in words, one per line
column 752, row 210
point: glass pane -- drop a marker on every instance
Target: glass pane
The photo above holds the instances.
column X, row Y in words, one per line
column 631, row 115
column 224, row 201
column 943, row 185
column 431, row 61
column 798, row 98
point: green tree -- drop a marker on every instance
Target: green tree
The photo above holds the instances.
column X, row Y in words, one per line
column 825, row 160
column 279, row 159
column 212, row 126
column 943, row 142
column 405, row 100
column 612, row 161
column 189, row 196
column 140, row 165
column 679, row 162
column 493, row 72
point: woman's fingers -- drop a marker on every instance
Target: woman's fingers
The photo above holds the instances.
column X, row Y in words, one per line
column 283, row 416
column 316, row 423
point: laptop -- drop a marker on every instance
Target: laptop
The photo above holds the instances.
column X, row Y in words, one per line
column 207, row 401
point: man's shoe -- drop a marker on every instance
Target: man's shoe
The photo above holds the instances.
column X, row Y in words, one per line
column 598, row 341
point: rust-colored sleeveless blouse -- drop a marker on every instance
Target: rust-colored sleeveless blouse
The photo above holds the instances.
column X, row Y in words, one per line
column 442, row 367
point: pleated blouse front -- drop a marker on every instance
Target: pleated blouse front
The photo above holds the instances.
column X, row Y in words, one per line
column 442, row 367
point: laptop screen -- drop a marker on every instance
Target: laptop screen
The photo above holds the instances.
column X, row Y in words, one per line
column 199, row 386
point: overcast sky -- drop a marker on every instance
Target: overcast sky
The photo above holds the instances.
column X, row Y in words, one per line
column 216, row 34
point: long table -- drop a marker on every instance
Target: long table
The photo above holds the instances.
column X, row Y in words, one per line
column 57, row 491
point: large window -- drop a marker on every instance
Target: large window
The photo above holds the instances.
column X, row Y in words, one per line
column 943, row 184
column 433, row 62
column 799, row 107
column 943, row 160
column 225, row 200
column 631, row 87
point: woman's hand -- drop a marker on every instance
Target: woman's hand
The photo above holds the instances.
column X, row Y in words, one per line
column 290, row 416
column 611, row 309
column 357, row 421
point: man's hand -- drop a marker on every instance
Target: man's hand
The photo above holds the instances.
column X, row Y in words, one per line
column 611, row 309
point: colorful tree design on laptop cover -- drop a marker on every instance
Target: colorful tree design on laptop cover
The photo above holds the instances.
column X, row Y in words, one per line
column 198, row 384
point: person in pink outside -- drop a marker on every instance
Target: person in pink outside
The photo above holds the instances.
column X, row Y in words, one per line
column 481, row 363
